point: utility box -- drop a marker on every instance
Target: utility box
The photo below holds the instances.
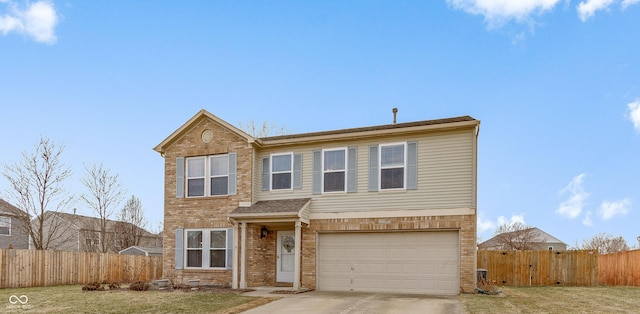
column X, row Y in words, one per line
column 481, row 274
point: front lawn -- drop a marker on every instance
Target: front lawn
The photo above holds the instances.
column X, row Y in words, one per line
column 72, row 299
column 555, row 300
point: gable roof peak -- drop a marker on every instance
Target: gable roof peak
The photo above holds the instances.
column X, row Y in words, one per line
column 160, row 148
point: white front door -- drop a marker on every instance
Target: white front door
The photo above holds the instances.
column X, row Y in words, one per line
column 285, row 255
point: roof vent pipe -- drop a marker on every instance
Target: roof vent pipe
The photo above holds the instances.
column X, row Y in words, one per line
column 395, row 111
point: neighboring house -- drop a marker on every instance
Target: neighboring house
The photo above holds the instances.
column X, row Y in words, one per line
column 140, row 250
column 82, row 233
column 536, row 240
column 13, row 232
column 388, row 208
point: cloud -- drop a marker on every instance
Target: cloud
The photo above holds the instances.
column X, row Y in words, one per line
column 634, row 113
column 587, row 219
column 587, row 9
column 37, row 20
column 484, row 224
column 626, row 3
column 572, row 207
column 609, row 209
column 514, row 218
column 498, row 12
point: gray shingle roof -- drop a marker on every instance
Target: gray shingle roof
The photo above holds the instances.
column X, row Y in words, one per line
column 372, row 128
column 291, row 206
column 10, row 210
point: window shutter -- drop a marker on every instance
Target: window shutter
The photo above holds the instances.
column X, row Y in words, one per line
column 412, row 166
column 352, row 170
column 179, row 248
column 297, row 171
column 373, row 168
column 230, row 248
column 232, row 173
column 180, row 177
column 317, row 172
column 266, row 175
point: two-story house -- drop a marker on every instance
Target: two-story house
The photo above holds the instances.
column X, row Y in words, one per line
column 73, row 232
column 389, row 208
column 532, row 238
column 13, row 232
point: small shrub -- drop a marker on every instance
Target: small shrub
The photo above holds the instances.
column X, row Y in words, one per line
column 139, row 286
column 93, row 286
column 487, row 287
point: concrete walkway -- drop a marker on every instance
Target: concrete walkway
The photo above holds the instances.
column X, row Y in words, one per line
column 352, row 302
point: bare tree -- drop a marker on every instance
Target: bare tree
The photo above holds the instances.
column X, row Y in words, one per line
column 264, row 130
column 36, row 186
column 130, row 228
column 104, row 194
column 605, row 244
column 517, row 236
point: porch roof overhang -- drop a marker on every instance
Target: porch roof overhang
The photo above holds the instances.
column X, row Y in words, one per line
column 289, row 210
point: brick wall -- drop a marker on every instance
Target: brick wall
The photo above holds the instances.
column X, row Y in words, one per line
column 202, row 212
column 466, row 224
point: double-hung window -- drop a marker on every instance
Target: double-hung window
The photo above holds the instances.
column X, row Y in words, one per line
column 196, row 171
column 392, row 166
column 208, row 248
column 219, row 174
column 211, row 175
column 281, row 171
column 5, row 225
column 334, row 170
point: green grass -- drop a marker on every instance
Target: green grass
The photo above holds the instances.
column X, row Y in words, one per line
column 71, row 299
column 555, row 300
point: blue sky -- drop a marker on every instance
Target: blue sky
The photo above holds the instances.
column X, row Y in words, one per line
column 555, row 83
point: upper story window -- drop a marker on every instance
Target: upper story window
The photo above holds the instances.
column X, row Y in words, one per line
column 281, row 171
column 208, row 248
column 334, row 168
column 219, row 174
column 196, row 176
column 210, row 175
column 392, row 166
column 5, row 225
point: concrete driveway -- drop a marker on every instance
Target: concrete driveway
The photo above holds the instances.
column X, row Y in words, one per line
column 350, row 302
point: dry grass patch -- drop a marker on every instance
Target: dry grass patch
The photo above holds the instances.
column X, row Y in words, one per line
column 72, row 299
column 555, row 300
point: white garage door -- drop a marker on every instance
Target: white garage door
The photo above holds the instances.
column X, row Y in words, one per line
column 397, row 262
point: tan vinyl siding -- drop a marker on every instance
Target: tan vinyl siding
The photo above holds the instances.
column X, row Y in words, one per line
column 445, row 176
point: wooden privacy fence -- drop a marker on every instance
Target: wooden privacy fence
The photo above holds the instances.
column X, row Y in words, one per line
column 540, row 268
column 34, row 268
column 620, row 269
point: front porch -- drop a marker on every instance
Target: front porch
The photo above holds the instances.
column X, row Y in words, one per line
column 267, row 244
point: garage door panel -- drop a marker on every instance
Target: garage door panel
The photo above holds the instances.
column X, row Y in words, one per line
column 397, row 262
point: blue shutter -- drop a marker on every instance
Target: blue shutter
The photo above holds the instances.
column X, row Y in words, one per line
column 180, row 177
column 232, row 173
column 230, row 248
column 373, row 168
column 297, row 171
column 412, row 166
column 352, row 170
column 317, row 172
column 266, row 175
column 179, row 248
